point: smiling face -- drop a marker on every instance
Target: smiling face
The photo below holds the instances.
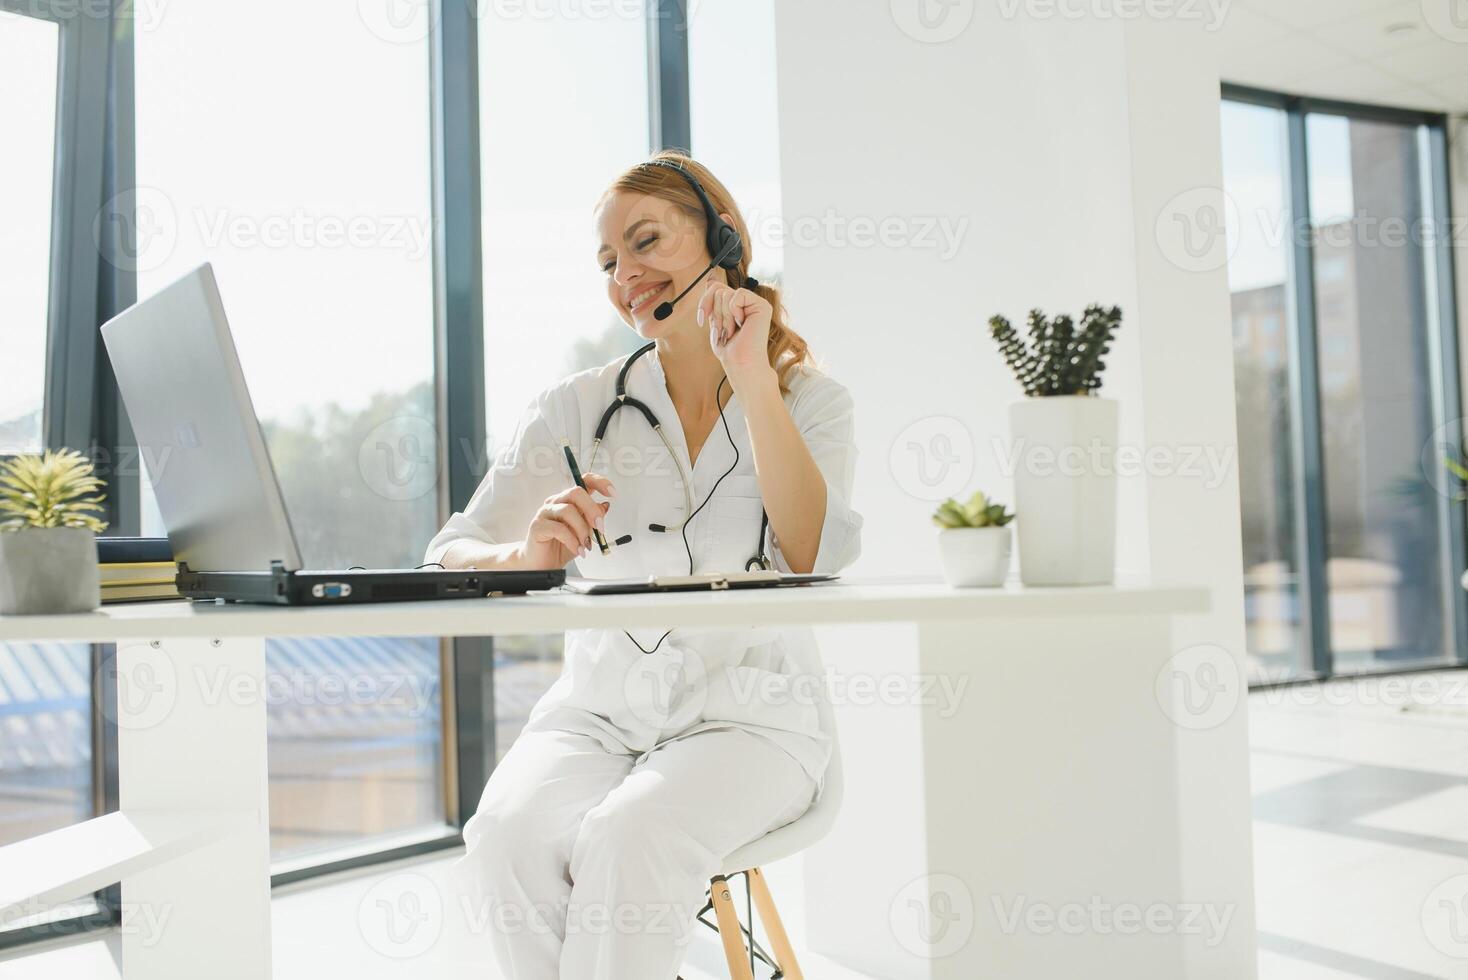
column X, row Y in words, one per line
column 650, row 249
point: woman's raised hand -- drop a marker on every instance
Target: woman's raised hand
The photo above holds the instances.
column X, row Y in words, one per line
column 561, row 529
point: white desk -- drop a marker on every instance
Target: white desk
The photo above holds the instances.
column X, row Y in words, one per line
column 1049, row 779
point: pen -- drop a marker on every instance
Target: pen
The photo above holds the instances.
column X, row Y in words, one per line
column 601, row 542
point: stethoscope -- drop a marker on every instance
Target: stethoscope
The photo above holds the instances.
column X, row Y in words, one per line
column 623, row 400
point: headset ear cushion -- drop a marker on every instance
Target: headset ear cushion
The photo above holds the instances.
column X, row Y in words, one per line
column 723, row 234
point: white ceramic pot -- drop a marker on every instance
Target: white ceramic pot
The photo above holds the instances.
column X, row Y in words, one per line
column 1065, row 488
column 974, row 556
column 48, row 570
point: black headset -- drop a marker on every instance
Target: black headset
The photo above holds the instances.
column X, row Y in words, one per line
column 724, row 244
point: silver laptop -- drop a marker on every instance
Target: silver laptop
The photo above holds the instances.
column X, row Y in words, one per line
column 180, row 379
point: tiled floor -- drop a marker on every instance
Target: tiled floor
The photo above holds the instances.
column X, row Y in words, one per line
column 1361, row 828
column 1361, row 832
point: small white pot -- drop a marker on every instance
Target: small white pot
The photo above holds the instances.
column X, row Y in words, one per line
column 974, row 556
column 1065, row 488
column 48, row 570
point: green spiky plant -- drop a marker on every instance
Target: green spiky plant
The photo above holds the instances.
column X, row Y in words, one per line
column 1059, row 358
column 1456, row 466
column 55, row 489
column 977, row 512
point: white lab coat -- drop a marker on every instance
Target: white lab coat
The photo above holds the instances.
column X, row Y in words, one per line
column 605, row 786
column 762, row 679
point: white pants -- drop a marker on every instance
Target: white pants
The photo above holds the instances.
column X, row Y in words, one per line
column 592, row 868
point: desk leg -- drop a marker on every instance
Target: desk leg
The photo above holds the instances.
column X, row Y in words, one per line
column 191, row 740
column 1023, row 820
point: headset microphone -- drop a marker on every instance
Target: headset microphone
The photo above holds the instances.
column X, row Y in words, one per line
column 665, row 308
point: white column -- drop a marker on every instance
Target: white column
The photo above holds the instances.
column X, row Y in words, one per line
column 191, row 743
column 942, row 162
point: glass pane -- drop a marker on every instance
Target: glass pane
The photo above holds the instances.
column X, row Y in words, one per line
column 307, row 186
column 746, row 156
column 1386, row 530
column 563, row 110
column 28, row 55
column 1256, row 180
column 45, row 738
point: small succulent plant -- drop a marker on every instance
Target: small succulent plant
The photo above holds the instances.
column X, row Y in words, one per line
column 977, row 512
column 1059, row 359
column 56, row 489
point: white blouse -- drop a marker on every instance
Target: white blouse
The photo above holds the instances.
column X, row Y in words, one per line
column 763, row 679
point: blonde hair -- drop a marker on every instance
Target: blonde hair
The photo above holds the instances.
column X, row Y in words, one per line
column 787, row 349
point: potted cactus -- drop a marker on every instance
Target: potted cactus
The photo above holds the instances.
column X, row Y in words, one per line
column 48, row 528
column 974, row 541
column 1065, row 444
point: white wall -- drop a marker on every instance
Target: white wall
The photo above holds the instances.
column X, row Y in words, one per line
column 1062, row 147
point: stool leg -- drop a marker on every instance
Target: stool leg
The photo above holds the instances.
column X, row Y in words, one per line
column 764, row 903
column 729, row 932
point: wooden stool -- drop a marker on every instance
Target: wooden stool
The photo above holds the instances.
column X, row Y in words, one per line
column 740, row 946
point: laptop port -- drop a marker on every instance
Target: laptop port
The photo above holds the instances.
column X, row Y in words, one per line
column 471, row 584
column 450, row 587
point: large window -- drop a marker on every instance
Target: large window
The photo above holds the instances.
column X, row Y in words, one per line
column 307, row 187
column 318, row 157
column 736, row 134
column 29, row 50
column 564, row 109
column 1255, row 174
column 1345, row 380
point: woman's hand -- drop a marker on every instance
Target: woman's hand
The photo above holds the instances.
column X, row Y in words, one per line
column 738, row 322
column 561, row 529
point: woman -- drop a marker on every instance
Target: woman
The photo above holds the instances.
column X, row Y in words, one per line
column 659, row 752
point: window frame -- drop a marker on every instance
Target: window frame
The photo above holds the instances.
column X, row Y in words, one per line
column 95, row 171
column 1446, row 403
